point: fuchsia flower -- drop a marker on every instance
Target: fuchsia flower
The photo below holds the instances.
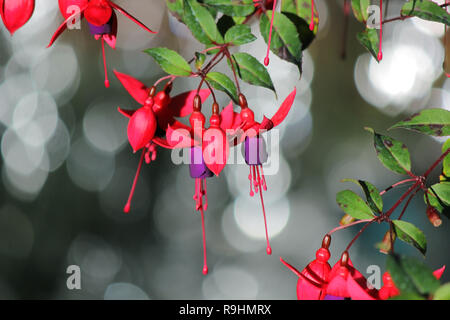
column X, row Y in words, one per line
column 101, row 18
column 249, row 131
column 318, row 281
column 147, row 125
column 15, row 13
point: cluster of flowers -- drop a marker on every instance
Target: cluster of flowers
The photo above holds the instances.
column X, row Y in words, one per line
column 320, row 281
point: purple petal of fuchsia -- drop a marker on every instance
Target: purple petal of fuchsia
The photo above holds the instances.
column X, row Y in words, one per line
column 330, row 297
column 197, row 166
column 255, row 151
column 100, row 30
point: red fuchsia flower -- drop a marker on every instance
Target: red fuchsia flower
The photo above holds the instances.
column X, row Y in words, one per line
column 389, row 290
column 254, row 145
column 147, row 125
column 101, row 18
column 15, row 13
column 346, row 281
column 313, row 280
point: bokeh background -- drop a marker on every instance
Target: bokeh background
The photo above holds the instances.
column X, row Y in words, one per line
column 66, row 166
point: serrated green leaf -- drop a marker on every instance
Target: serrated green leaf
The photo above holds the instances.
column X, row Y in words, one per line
column 251, row 70
column 302, row 9
column 427, row 10
column 201, row 23
column 285, row 38
column 410, row 234
column 353, row 205
column 239, row 34
column 392, row 153
column 170, row 61
column 369, row 40
column 359, row 8
column 434, row 122
column 373, row 197
column 238, row 8
column 442, row 293
column 221, row 82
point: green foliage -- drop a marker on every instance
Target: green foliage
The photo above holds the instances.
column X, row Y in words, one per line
column 251, row 70
column 427, row 10
column 434, row 122
column 353, row 205
column 373, row 197
column 369, row 40
column 409, row 233
column 239, row 34
column 412, row 277
column 170, row 61
column 238, row 8
column 392, row 153
column 201, row 23
column 221, row 82
column 359, row 8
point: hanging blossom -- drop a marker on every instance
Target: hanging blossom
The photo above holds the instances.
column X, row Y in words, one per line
column 15, row 13
column 147, row 125
column 318, row 281
column 101, row 18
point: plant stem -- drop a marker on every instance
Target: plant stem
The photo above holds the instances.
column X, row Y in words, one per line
column 359, row 233
column 396, row 184
column 399, row 201
column 436, row 163
column 227, row 53
column 407, row 17
column 407, row 203
column 348, row 225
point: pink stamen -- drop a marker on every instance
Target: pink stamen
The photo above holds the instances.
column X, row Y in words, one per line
column 311, row 24
column 104, row 64
column 266, row 59
column 380, row 52
column 268, row 249
column 205, row 262
column 264, row 185
column 251, row 182
column 126, row 209
column 205, row 193
column 255, row 181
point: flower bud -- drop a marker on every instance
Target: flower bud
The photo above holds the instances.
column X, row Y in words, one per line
column 433, row 216
column 346, row 219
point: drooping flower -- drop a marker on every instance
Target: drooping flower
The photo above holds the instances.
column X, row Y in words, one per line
column 345, row 281
column 312, row 281
column 148, row 124
column 101, row 18
column 389, row 290
column 255, row 152
column 15, row 13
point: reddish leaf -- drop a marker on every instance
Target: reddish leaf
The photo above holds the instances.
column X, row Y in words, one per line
column 63, row 26
column 15, row 13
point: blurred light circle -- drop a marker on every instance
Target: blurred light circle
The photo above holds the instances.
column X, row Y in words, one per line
column 95, row 256
column 58, row 72
column 104, row 127
column 24, row 186
column 248, row 215
column 16, row 233
column 230, row 282
column 35, row 118
column 89, row 168
column 18, row 156
column 58, row 146
column 124, row 291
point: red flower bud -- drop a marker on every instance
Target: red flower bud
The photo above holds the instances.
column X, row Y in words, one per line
column 433, row 216
column 98, row 12
column 141, row 128
column 15, row 13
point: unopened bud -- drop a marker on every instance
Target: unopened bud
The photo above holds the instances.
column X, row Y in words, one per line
column 346, row 219
column 385, row 246
column 433, row 216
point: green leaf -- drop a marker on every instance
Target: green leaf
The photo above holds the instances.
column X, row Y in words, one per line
column 238, row 8
column 443, row 292
column 302, row 9
column 434, row 122
column 201, row 23
column 446, row 161
column 199, row 60
column 392, row 153
column 353, row 205
column 359, row 8
column 408, row 296
column 399, row 276
column 421, row 275
column 221, row 82
column 372, row 194
column 409, row 233
column 251, row 70
column 239, row 34
column 224, row 24
column 369, row 40
column 170, row 61
column 306, row 35
column 285, row 38
column 427, row 10
column 176, row 8
column 443, row 203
